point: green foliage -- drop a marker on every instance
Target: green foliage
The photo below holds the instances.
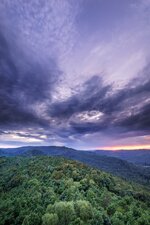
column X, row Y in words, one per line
column 84, row 210
column 32, row 218
column 50, row 219
column 54, row 191
column 65, row 211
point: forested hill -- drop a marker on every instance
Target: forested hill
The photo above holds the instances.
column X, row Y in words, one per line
column 46, row 190
column 110, row 164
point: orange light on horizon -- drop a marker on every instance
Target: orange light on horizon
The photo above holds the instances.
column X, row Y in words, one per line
column 125, row 147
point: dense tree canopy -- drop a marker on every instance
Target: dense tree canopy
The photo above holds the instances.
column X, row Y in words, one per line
column 55, row 191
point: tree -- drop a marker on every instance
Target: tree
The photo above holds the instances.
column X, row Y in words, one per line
column 50, row 219
column 144, row 219
column 32, row 219
column 118, row 219
column 65, row 212
column 84, row 210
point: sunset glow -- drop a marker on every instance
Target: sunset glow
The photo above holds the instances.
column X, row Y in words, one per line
column 125, row 147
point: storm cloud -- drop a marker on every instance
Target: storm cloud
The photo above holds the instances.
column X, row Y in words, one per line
column 75, row 74
column 127, row 108
column 23, row 86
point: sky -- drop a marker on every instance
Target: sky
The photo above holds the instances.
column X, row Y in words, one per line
column 75, row 73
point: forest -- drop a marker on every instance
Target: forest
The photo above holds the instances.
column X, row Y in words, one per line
column 44, row 190
column 127, row 166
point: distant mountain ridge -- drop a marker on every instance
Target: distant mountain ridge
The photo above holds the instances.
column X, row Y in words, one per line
column 135, row 156
column 141, row 157
column 97, row 159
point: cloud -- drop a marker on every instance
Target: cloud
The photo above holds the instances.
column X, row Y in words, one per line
column 33, row 42
column 138, row 121
column 67, row 69
column 90, row 97
column 23, row 87
column 45, row 27
column 122, row 110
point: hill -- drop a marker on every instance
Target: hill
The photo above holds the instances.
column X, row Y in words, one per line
column 141, row 157
column 45, row 190
column 110, row 164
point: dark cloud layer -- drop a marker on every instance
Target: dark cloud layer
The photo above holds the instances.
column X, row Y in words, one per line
column 138, row 121
column 23, row 86
column 125, row 109
column 90, row 97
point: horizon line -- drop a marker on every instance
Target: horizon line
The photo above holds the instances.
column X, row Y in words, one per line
column 107, row 148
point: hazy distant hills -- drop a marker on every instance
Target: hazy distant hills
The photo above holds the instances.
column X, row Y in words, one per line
column 118, row 163
column 135, row 156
